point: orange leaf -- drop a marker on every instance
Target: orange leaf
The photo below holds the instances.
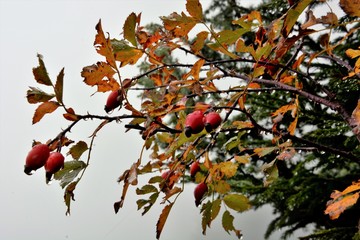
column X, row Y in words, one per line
column 100, row 75
column 179, row 25
column 334, row 209
column 199, row 42
column 70, row 115
column 103, row 45
column 195, row 9
column 195, row 70
column 162, row 219
column 44, row 108
column 124, row 53
column 351, row 7
column 292, row 126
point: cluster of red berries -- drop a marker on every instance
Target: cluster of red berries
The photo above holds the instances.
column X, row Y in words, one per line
column 196, row 121
column 40, row 156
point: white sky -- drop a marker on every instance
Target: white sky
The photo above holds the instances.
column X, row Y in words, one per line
column 63, row 32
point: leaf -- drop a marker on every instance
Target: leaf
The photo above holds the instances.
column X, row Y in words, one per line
column 199, row 42
column 228, row 168
column 162, row 219
column 69, row 196
column 59, row 86
column 125, row 53
column 100, row 75
column 103, row 45
column 355, row 119
column 78, row 149
column 292, row 126
column 178, row 25
column 350, row 7
column 146, row 189
column 242, row 159
column 352, row 53
column 194, row 8
column 40, row 73
column 69, row 172
column 206, row 216
column 129, row 28
column 293, row 15
column 228, row 225
column 335, row 209
column 70, row 115
column 271, row 172
column 195, row 70
column 36, row 95
column 237, row 202
column 264, row 151
column 44, row 108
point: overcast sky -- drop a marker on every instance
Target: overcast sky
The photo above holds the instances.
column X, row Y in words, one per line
column 63, row 32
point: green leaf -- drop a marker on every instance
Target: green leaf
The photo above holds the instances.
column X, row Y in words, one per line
column 40, row 73
column 206, row 216
column 215, row 208
column 237, row 202
column 264, row 151
column 146, row 189
column 271, row 172
column 59, row 86
column 69, row 172
column 36, row 95
column 227, row 221
column 78, row 149
column 129, row 29
column 293, row 15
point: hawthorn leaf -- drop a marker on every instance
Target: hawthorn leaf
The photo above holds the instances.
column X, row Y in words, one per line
column 242, row 159
column 100, row 75
column 59, row 86
column 293, row 15
column 292, row 126
column 40, row 73
column 178, row 25
column 221, row 187
column 44, row 108
column 162, row 219
column 206, row 216
column 335, row 208
column 237, row 202
column 78, row 149
column 36, row 95
column 350, row 7
column 69, row 196
column 129, row 28
column 271, row 172
column 69, row 172
column 355, row 119
column 146, row 189
column 228, row 168
column 199, row 42
column 103, row 45
column 263, row 151
column 228, row 224
column 352, row 53
column 125, row 53
column 70, row 115
column 195, row 9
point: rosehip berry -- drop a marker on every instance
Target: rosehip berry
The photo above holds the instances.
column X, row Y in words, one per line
column 54, row 163
column 212, row 121
column 194, row 123
column 113, row 101
column 194, row 168
column 36, row 158
column 199, row 192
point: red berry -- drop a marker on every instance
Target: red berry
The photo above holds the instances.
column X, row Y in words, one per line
column 212, row 121
column 199, row 192
column 194, row 168
column 36, row 158
column 194, row 123
column 113, row 101
column 54, row 163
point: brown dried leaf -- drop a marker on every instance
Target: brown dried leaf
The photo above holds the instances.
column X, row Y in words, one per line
column 44, row 108
column 162, row 219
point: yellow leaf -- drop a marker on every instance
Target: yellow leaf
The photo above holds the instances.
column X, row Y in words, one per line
column 242, row 159
column 353, row 53
column 228, row 168
column 44, row 108
column 195, row 9
column 351, row 7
